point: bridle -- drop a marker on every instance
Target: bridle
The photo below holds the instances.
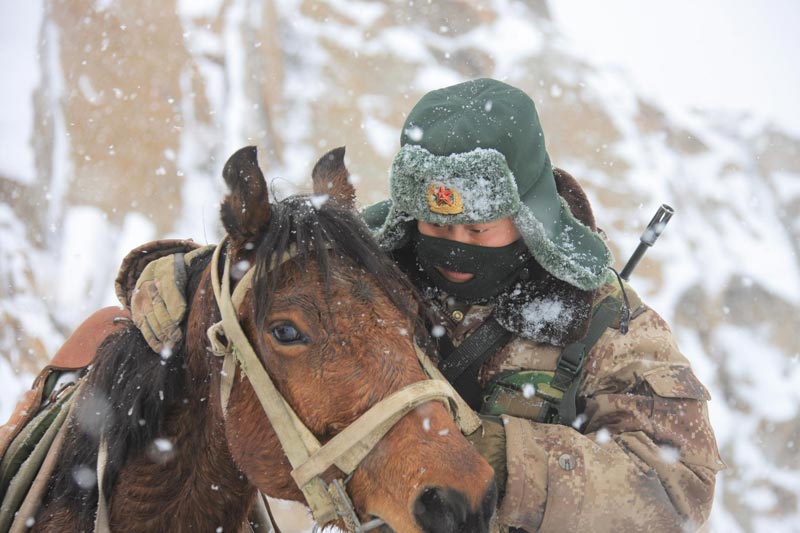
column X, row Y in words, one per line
column 308, row 458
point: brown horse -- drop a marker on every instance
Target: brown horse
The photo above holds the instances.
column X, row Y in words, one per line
column 333, row 326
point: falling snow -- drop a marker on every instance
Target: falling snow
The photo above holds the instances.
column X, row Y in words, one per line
column 724, row 275
column 84, row 477
column 414, row 133
column 318, row 200
column 602, row 436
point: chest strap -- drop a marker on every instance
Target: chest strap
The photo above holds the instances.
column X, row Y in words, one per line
column 570, row 363
column 461, row 365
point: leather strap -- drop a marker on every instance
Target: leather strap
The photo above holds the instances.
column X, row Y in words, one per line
column 461, row 366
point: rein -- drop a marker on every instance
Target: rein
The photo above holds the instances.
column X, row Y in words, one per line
column 309, row 459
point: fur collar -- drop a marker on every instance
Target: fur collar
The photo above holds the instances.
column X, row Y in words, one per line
column 545, row 309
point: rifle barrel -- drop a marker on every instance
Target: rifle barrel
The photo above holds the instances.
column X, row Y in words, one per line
column 654, row 229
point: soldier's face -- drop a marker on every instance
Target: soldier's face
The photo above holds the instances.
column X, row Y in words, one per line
column 492, row 234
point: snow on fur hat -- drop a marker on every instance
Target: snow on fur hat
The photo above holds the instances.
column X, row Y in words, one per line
column 475, row 152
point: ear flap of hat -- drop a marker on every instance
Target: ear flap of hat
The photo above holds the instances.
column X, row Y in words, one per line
column 571, row 191
column 567, row 248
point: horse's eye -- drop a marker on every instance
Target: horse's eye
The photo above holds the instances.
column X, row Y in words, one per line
column 287, row 334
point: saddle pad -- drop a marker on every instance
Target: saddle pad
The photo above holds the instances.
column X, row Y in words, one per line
column 26, row 453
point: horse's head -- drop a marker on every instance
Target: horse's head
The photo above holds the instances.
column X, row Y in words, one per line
column 331, row 319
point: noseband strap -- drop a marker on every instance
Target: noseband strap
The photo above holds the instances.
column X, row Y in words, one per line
column 309, row 459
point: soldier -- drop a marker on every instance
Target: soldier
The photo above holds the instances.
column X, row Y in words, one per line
column 593, row 420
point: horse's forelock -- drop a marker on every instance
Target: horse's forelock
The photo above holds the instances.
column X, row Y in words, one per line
column 323, row 234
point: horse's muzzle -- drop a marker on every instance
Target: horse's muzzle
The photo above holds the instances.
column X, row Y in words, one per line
column 444, row 510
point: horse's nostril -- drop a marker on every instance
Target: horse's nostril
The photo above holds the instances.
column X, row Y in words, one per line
column 440, row 510
column 489, row 503
column 444, row 510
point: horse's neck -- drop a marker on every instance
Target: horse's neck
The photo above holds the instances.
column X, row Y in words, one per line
column 199, row 489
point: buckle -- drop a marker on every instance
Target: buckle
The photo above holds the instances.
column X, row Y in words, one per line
column 346, row 511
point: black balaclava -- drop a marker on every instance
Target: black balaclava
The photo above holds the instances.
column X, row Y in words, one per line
column 494, row 268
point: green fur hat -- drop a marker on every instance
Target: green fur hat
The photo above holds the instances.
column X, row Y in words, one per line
column 475, row 152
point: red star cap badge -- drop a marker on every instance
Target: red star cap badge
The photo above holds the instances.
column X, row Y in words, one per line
column 444, row 196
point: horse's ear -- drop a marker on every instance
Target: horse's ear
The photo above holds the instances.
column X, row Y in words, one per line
column 330, row 177
column 245, row 211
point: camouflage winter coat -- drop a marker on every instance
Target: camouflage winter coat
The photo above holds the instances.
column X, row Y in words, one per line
column 645, row 457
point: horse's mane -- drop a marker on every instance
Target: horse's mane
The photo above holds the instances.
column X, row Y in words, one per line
column 130, row 390
column 128, row 393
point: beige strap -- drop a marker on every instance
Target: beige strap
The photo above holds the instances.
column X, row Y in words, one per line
column 466, row 419
column 240, row 291
column 216, row 332
column 265, row 389
column 226, row 381
column 296, row 444
column 348, row 448
column 101, row 523
column 220, row 348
